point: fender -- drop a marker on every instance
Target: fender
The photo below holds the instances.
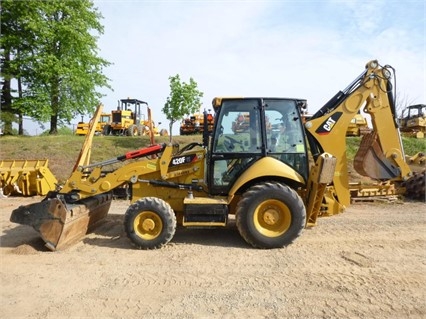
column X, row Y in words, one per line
column 265, row 167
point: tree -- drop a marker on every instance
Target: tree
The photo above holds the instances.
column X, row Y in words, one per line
column 52, row 46
column 184, row 99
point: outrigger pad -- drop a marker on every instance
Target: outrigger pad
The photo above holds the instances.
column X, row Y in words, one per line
column 62, row 224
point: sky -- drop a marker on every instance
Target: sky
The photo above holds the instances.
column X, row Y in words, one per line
column 299, row 49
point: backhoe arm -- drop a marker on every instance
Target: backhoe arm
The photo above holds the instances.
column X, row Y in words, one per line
column 381, row 153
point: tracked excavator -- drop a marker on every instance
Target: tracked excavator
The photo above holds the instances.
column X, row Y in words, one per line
column 275, row 178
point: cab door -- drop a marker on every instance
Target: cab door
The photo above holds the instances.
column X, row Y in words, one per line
column 236, row 142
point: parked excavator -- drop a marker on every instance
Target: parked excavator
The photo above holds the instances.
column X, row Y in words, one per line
column 274, row 179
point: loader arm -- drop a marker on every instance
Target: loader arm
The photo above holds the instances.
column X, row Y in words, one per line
column 89, row 180
column 381, row 154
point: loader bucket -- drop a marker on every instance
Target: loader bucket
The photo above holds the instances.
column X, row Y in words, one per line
column 61, row 223
column 26, row 177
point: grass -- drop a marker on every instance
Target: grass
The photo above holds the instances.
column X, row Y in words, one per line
column 62, row 150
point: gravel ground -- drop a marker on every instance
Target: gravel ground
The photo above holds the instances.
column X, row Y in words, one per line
column 369, row 262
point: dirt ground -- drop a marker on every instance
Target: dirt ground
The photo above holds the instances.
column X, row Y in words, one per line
column 369, row 262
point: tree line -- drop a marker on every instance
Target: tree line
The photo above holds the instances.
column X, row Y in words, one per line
column 50, row 67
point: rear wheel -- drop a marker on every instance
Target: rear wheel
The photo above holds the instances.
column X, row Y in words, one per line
column 107, row 130
column 150, row 223
column 270, row 215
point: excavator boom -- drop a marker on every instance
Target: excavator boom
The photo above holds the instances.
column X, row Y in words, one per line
column 380, row 155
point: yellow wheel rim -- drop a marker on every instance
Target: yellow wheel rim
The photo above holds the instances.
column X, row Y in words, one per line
column 272, row 218
column 148, row 225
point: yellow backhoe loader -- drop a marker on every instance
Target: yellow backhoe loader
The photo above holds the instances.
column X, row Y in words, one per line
column 275, row 178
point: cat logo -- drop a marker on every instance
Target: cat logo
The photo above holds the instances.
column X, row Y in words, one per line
column 327, row 126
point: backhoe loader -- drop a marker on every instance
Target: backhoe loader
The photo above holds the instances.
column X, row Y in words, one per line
column 275, row 178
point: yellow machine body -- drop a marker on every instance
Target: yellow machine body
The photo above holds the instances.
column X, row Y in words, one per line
column 275, row 176
column 26, row 177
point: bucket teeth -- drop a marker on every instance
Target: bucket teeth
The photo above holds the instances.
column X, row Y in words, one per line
column 62, row 224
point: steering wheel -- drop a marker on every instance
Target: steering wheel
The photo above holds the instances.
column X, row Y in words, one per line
column 230, row 142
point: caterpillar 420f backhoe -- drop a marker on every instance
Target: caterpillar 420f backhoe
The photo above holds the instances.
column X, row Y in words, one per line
column 264, row 176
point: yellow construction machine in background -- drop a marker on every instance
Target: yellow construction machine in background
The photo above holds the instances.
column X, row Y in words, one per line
column 129, row 120
column 194, row 124
column 125, row 121
column 83, row 127
column 358, row 126
column 412, row 122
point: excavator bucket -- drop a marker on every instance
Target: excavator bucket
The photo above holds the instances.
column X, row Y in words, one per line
column 26, row 177
column 371, row 161
column 64, row 218
column 62, row 224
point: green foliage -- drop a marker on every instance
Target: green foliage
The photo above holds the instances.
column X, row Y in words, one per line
column 413, row 145
column 62, row 130
column 352, row 145
column 52, row 48
column 63, row 150
column 184, row 99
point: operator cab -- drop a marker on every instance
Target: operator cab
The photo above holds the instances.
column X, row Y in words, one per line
column 248, row 129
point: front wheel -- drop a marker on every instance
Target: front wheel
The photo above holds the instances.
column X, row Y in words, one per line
column 270, row 215
column 132, row 130
column 150, row 223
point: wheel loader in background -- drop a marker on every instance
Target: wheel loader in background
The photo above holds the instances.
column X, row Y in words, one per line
column 274, row 179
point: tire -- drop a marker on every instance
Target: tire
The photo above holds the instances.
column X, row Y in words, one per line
column 150, row 223
column 132, row 130
column 107, row 130
column 270, row 215
column 141, row 130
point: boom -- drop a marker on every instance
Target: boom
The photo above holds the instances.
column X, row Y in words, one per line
column 381, row 154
